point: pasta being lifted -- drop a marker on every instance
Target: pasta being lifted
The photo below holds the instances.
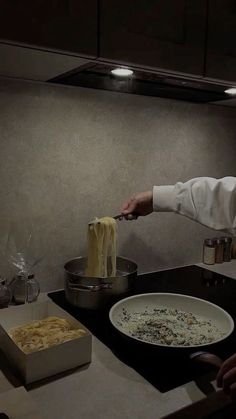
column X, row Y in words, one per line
column 102, row 248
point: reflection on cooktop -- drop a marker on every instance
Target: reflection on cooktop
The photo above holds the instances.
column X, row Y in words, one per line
column 164, row 368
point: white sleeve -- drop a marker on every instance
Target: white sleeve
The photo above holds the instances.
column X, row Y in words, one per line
column 209, row 201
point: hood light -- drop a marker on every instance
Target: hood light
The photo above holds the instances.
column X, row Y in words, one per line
column 231, row 91
column 122, row 72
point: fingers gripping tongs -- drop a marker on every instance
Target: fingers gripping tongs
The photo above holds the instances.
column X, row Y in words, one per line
column 117, row 217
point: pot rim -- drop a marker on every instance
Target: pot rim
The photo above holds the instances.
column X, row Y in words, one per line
column 134, row 270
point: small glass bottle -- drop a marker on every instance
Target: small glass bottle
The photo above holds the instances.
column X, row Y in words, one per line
column 209, row 252
column 25, row 288
column 233, row 251
column 219, row 246
column 227, row 244
column 5, row 293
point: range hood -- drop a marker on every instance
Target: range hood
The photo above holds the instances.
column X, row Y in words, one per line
column 29, row 63
column 144, row 82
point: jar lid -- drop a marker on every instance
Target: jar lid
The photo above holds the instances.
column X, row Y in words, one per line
column 209, row 242
column 22, row 276
column 218, row 240
column 226, row 239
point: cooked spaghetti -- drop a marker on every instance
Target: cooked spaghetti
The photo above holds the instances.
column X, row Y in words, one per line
column 43, row 334
column 102, row 248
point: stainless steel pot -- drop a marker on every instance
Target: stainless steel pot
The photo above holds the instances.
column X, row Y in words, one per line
column 93, row 292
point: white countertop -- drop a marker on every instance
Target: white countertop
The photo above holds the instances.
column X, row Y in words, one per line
column 226, row 268
column 107, row 388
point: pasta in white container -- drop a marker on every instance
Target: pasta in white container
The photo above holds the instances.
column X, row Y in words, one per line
column 56, row 355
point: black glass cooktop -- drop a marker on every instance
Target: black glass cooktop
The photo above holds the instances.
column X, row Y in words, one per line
column 165, row 368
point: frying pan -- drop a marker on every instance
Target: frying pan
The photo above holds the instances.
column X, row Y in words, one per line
column 139, row 303
column 197, row 353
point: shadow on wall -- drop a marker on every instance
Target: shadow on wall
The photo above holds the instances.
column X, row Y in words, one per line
column 145, row 256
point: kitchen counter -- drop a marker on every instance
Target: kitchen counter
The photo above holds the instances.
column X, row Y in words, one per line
column 105, row 388
column 108, row 388
column 226, row 268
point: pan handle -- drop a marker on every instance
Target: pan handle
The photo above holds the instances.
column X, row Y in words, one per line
column 207, row 358
column 82, row 287
column 203, row 383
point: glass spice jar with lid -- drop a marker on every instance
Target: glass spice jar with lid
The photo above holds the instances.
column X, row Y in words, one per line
column 227, row 245
column 25, row 288
column 5, row 293
column 219, row 250
column 209, row 252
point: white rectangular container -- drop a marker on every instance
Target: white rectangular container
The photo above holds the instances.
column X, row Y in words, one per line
column 47, row 362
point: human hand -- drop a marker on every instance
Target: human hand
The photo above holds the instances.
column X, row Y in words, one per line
column 226, row 377
column 139, row 204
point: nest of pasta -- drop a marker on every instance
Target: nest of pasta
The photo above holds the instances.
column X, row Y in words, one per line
column 42, row 334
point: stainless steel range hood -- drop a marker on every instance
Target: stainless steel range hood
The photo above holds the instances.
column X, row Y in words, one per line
column 29, row 63
column 145, row 82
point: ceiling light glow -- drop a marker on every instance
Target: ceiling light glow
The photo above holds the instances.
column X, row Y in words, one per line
column 231, row 91
column 122, row 72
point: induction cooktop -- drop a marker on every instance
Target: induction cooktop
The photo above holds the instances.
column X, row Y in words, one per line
column 164, row 368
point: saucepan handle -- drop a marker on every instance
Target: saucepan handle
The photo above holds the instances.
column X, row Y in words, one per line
column 82, row 287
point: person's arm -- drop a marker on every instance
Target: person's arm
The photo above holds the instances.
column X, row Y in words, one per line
column 209, row 201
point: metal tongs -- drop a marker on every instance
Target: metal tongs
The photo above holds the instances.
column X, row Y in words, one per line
column 126, row 216
column 117, row 217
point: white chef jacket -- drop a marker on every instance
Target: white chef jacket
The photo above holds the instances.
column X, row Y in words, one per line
column 209, row 201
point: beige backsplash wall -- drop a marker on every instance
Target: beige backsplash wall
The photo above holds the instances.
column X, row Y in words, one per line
column 69, row 154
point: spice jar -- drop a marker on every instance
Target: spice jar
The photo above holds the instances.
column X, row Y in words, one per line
column 227, row 244
column 233, row 251
column 209, row 252
column 5, row 293
column 219, row 249
column 25, row 288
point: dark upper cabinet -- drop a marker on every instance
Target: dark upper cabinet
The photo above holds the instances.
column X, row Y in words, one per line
column 221, row 41
column 67, row 25
column 168, row 34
